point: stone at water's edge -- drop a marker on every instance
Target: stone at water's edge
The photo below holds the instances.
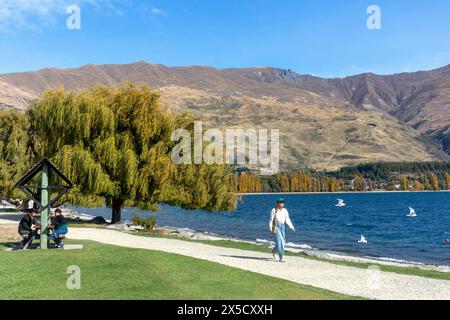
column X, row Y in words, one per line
column 98, row 220
column 124, row 226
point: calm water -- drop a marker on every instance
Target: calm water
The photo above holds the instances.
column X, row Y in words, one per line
column 381, row 217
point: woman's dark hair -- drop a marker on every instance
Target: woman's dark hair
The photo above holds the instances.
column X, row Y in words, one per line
column 58, row 210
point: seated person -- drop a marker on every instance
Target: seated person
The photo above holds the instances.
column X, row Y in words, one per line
column 27, row 226
column 59, row 226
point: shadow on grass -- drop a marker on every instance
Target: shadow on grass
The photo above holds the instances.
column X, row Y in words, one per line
column 16, row 246
column 248, row 258
column 10, row 246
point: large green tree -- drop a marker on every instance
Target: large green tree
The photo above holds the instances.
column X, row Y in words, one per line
column 14, row 160
column 115, row 144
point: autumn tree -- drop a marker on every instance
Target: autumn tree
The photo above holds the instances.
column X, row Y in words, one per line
column 444, row 185
column 434, row 182
column 426, row 183
column 334, row 185
column 392, row 185
column 404, row 183
column 447, row 179
column 115, row 144
column 234, row 182
column 295, row 184
column 418, row 186
column 249, row 183
column 284, row 183
column 359, row 183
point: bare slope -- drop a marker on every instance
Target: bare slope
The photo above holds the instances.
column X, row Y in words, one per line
column 324, row 123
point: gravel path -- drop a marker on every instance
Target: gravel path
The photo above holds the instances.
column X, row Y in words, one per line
column 368, row 283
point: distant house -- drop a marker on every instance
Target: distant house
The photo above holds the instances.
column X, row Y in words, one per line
column 352, row 184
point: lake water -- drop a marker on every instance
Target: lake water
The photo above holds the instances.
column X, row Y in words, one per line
column 381, row 217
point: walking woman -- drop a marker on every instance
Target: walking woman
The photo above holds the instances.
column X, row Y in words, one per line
column 279, row 218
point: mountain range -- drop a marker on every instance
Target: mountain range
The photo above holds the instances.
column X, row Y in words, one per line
column 324, row 123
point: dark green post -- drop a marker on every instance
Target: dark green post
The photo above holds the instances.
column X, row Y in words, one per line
column 44, row 202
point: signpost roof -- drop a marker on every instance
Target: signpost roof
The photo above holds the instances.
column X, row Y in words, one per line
column 24, row 185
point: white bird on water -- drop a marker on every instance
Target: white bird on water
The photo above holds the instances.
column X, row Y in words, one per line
column 340, row 203
column 412, row 212
column 363, row 239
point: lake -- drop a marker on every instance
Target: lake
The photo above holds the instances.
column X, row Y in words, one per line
column 381, row 217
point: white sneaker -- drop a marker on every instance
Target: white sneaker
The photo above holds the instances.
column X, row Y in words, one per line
column 275, row 255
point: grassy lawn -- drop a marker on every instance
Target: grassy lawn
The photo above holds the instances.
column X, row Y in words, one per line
column 111, row 272
column 260, row 248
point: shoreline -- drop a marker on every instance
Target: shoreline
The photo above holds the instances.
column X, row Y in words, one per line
column 350, row 279
column 339, row 192
column 190, row 234
column 196, row 235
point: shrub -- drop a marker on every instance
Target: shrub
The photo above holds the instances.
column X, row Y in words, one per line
column 148, row 223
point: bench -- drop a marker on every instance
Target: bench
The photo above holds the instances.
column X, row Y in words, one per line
column 61, row 243
column 29, row 240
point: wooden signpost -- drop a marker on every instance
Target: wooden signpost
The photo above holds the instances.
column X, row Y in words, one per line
column 42, row 192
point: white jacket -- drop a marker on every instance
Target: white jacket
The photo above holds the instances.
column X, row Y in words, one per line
column 281, row 217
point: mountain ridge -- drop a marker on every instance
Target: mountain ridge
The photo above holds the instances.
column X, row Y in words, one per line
column 414, row 105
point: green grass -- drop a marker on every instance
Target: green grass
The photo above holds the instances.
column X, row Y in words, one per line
column 83, row 224
column 260, row 248
column 111, row 272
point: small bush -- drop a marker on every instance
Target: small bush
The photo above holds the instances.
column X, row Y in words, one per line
column 148, row 223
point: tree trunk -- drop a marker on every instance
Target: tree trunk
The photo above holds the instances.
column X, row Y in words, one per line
column 116, row 210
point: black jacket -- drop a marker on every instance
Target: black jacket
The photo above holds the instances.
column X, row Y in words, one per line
column 58, row 221
column 25, row 224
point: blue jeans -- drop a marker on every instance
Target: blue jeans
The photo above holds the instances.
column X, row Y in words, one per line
column 280, row 239
column 56, row 233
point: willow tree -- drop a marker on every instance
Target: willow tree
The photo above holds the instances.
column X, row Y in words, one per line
column 115, row 144
column 13, row 151
column 201, row 186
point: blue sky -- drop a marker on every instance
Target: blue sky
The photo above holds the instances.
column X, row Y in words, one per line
column 322, row 37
